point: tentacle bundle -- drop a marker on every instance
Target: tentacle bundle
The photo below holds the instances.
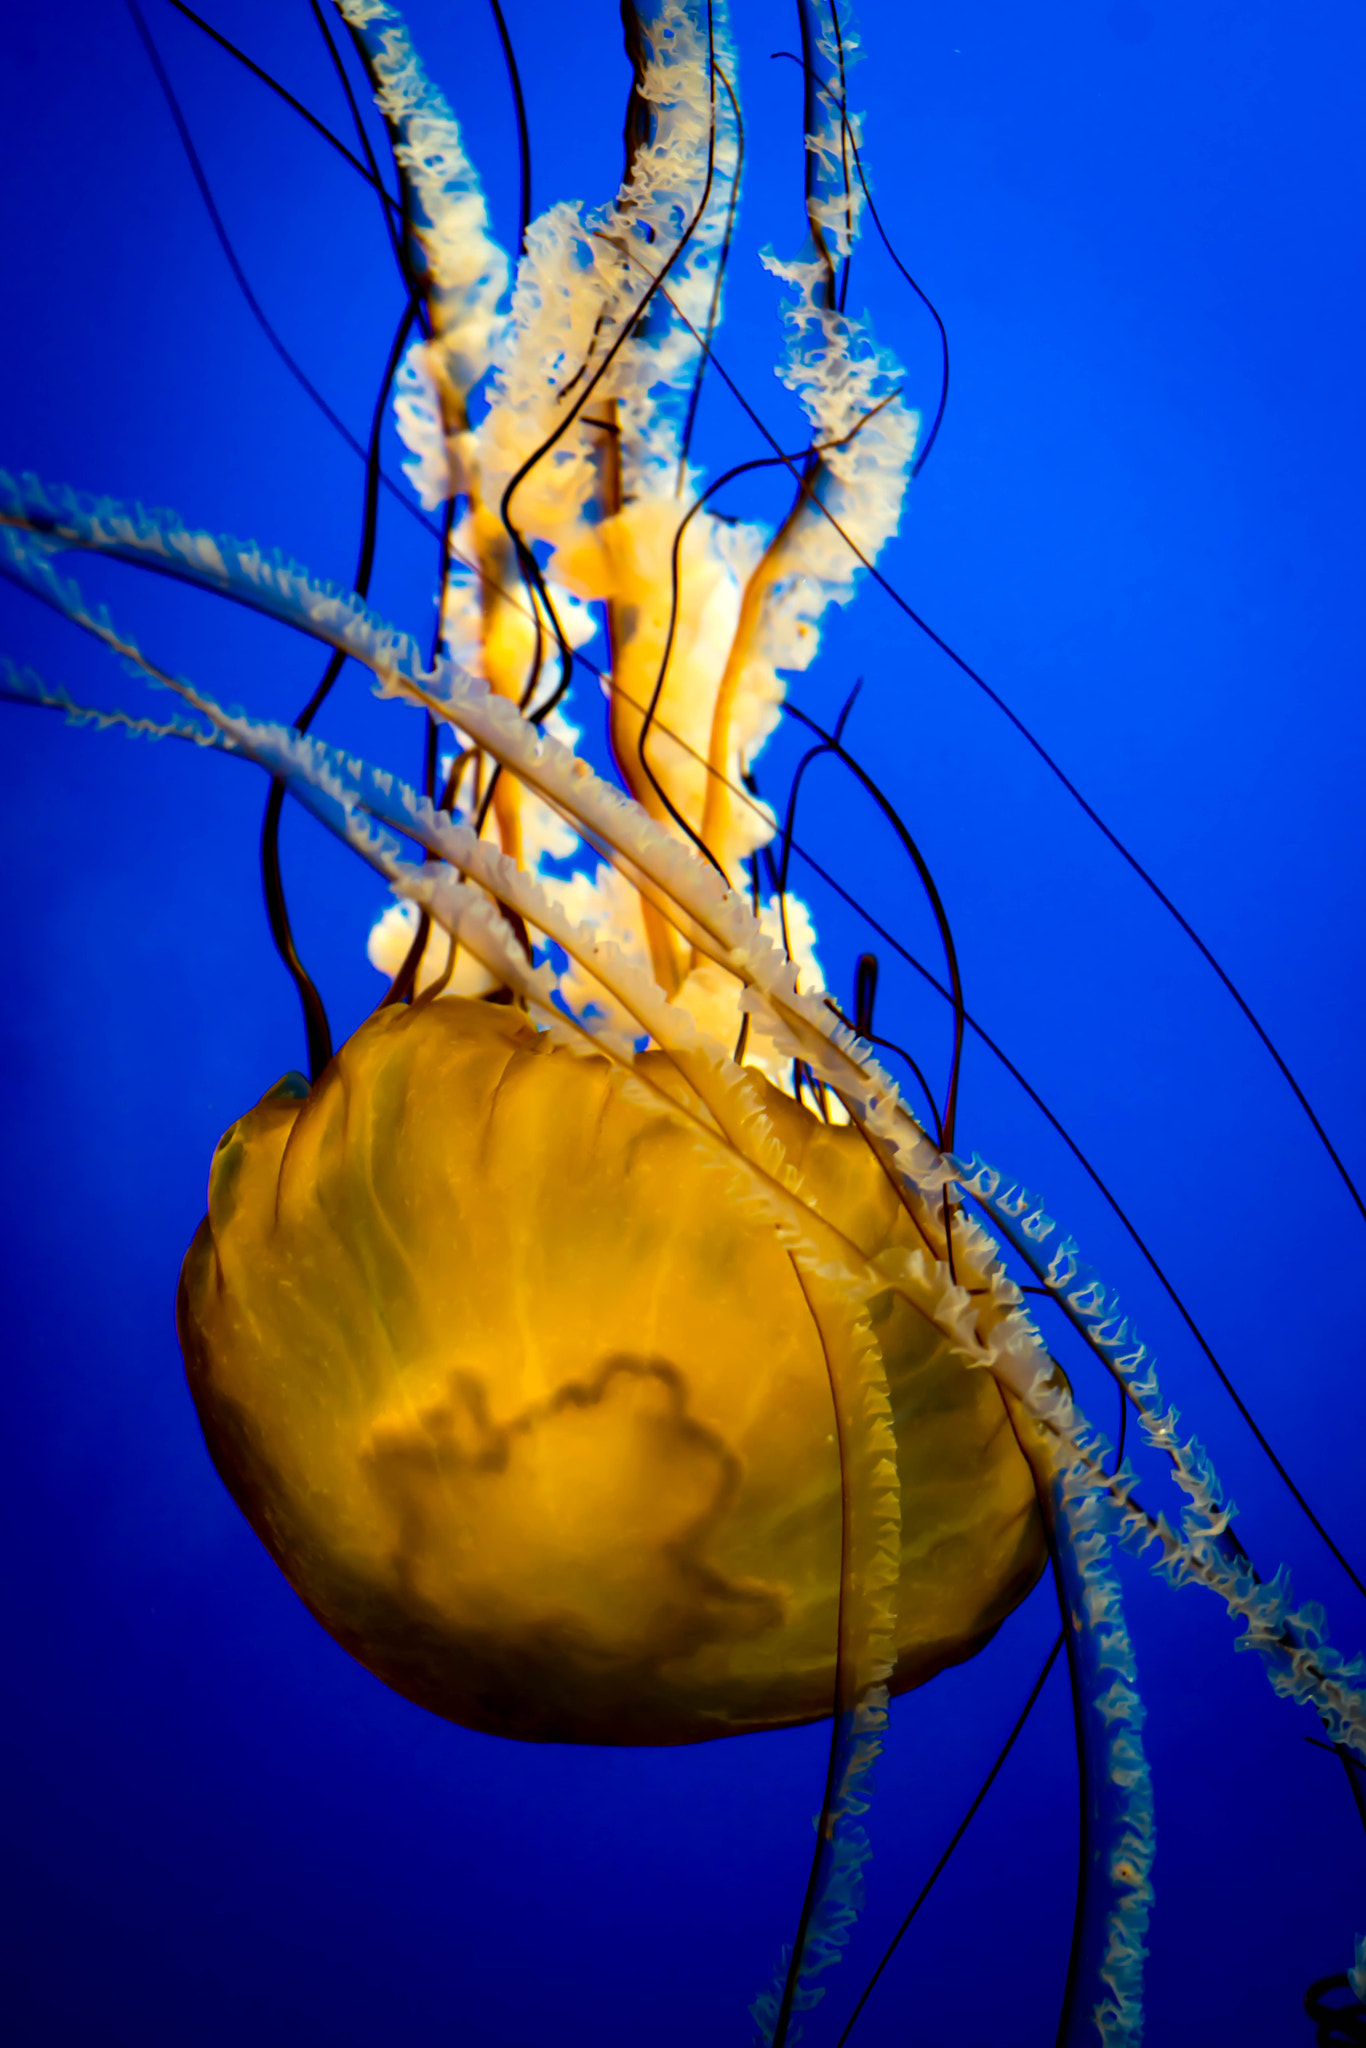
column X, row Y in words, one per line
column 584, row 1382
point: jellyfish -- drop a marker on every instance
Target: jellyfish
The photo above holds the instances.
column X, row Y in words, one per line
column 774, row 1121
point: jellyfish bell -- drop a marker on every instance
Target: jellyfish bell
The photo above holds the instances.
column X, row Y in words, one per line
column 562, row 1286
column 532, row 1408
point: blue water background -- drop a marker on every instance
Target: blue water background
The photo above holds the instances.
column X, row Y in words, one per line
column 1143, row 524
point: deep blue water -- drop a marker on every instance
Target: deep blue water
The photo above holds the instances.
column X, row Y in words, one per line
column 1143, row 524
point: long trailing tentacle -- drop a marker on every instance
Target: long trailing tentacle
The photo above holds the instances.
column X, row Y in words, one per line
column 1104, row 1987
column 1292, row 1641
column 870, row 1546
column 295, row 105
column 1087, row 1504
column 317, row 1029
column 25, row 686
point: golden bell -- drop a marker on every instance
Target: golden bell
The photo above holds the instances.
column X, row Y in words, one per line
column 532, row 1412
